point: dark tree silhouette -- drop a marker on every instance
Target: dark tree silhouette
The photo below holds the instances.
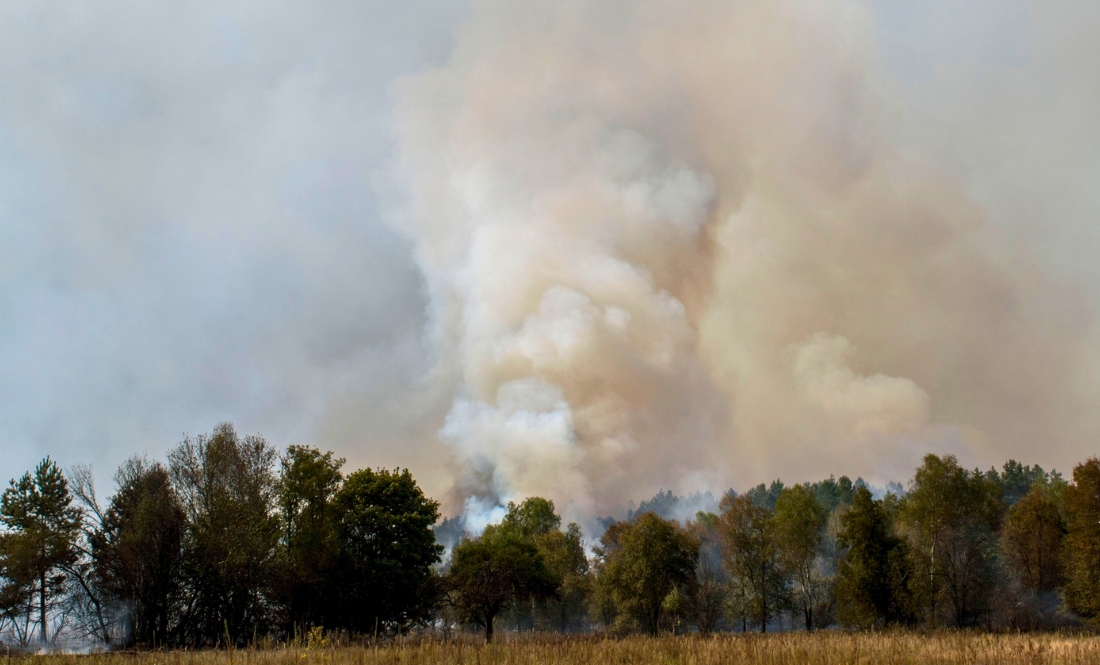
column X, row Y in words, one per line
column 227, row 488
column 310, row 545
column 136, row 551
column 387, row 550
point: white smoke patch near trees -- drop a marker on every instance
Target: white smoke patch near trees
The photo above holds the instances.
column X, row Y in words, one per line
column 668, row 241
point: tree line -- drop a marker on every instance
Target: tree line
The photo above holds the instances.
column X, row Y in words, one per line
column 230, row 542
column 226, row 543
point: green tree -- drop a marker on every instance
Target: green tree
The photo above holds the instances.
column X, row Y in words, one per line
column 1016, row 480
column 41, row 527
column 707, row 595
column 765, row 496
column 535, row 520
column 799, row 532
column 227, row 487
column 832, row 493
column 950, row 517
column 498, row 568
column 641, row 563
column 563, row 552
column 873, row 569
column 1032, row 539
column 387, row 550
column 16, row 599
column 752, row 557
column 1082, row 542
column 308, row 483
column 136, row 551
column 602, row 596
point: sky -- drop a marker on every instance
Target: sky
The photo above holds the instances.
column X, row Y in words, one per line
column 244, row 212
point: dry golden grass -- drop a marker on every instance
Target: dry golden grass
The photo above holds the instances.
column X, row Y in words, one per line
column 826, row 648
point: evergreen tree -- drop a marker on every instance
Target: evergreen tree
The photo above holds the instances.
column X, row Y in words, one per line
column 833, row 493
column 872, row 572
column 41, row 526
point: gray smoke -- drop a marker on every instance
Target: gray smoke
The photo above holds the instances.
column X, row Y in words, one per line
column 674, row 246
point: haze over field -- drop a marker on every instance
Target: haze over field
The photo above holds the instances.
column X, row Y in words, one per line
column 570, row 249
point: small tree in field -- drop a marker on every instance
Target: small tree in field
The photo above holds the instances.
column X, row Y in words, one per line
column 491, row 571
column 642, row 562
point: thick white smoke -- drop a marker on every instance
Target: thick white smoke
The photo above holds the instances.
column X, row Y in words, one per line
column 668, row 245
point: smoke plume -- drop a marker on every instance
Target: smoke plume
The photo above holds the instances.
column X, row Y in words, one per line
column 671, row 245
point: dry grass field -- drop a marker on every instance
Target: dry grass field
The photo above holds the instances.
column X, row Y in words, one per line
column 826, row 648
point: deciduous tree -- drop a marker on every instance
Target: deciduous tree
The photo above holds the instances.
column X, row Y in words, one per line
column 707, row 595
column 227, row 488
column 136, row 551
column 752, row 557
column 497, row 568
column 308, row 483
column 950, row 517
column 799, row 532
column 387, row 550
column 642, row 562
column 1082, row 543
column 1032, row 539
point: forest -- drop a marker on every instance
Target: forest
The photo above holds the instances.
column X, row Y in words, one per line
column 230, row 542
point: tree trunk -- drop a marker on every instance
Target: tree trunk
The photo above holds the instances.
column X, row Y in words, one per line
column 42, row 606
column 489, row 629
column 763, row 611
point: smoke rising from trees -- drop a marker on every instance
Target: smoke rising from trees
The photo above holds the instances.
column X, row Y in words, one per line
column 677, row 246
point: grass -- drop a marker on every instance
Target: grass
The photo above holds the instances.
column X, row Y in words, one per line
column 826, row 648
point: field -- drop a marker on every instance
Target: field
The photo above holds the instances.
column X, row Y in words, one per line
column 825, row 648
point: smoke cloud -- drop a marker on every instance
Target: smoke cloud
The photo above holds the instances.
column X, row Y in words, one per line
column 586, row 250
column 673, row 245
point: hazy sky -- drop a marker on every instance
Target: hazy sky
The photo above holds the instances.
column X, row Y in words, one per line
column 197, row 205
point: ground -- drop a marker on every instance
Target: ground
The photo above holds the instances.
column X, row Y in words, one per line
column 824, row 648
